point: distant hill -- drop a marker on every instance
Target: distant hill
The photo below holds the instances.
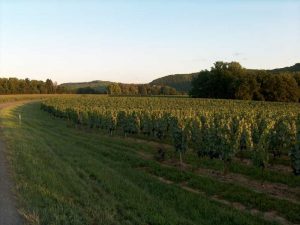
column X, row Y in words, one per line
column 181, row 82
column 294, row 68
column 97, row 85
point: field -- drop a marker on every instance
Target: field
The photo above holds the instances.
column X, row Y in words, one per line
column 126, row 160
column 24, row 97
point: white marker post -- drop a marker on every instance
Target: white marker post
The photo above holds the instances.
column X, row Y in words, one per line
column 20, row 118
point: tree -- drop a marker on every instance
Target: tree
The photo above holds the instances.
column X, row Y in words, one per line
column 114, row 89
column 142, row 90
column 232, row 81
column 217, row 82
column 86, row 90
column 49, row 86
column 166, row 90
column 133, row 89
column 245, row 87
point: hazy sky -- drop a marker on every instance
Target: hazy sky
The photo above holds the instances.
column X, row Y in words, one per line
column 140, row 40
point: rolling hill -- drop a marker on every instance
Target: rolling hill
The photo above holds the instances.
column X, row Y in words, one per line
column 97, row 85
column 181, row 82
column 294, row 68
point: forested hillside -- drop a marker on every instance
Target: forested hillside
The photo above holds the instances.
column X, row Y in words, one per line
column 96, row 85
column 182, row 82
column 294, row 68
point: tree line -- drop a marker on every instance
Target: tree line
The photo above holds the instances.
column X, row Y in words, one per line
column 140, row 89
column 27, row 86
column 232, row 81
column 129, row 89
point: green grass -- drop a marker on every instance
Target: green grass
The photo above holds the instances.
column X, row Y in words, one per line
column 69, row 176
column 191, row 158
column 23, row 97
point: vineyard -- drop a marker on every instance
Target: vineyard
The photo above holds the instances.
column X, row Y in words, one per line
column 216, row 129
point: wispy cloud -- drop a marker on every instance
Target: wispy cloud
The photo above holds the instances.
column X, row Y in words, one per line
column 237, row 54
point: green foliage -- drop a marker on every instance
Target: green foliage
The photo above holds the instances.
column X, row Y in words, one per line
column 246, row 142
column 295, row 154
column 231, row 81
column 180, row 134
column 213, row 128
column 261, row 151
column 26, row 86
column 139, row 89
column 282, row 137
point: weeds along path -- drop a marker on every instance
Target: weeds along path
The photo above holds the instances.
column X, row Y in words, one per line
column 8, row 211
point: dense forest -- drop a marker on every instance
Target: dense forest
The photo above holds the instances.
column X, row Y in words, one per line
column 232, row 81
column 27, row 86
column 106, row 87
column 140, row 89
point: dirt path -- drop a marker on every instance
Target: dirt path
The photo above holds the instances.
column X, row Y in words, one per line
column 9, row 214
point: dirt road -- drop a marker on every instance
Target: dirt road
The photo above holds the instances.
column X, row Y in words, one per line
column 8, row 212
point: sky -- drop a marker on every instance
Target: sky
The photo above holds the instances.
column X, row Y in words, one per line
column 136, row 41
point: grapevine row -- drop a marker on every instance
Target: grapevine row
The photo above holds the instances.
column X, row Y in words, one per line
column 213, row 128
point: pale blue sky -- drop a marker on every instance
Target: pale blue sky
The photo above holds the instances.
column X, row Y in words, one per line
column 138, row 41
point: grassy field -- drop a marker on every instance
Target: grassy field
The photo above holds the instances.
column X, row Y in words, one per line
column 75, row 176
column 24, row 97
